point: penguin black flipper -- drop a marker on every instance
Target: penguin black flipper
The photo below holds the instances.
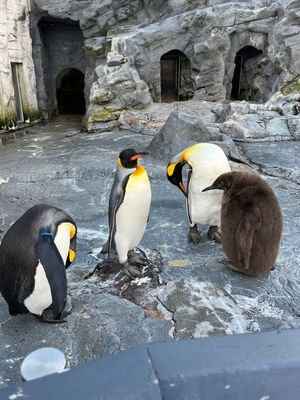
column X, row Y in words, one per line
column 115, row 200
column 53, row 265
column 249, row 223
column 187, row 194
column 238, row 161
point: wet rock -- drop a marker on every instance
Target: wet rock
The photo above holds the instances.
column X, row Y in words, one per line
column 94, row 328
column 110, row 276
column 76, row 173
column 202, row 309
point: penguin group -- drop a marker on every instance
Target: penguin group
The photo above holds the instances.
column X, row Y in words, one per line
column 38, row 248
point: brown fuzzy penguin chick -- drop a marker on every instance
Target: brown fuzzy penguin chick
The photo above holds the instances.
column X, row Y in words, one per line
column 251, row 222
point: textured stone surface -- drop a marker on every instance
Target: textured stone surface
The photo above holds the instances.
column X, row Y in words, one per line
column 15, row 46
column 129, row 38
column 197, row 294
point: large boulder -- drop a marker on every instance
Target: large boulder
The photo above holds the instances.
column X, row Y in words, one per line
column 182, row 130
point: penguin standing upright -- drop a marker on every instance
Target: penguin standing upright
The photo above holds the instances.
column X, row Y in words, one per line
column 251, row 222
column 34, row 254
column 129, row 207
column 206, row 162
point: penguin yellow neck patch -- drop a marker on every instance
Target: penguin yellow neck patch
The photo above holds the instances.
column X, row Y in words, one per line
column 72, row 231
column 72, row 255
column 170, row 169
column 139, row 171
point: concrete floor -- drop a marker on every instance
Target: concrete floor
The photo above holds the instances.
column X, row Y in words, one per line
column 195, row 295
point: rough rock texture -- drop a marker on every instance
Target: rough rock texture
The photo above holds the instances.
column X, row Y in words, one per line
column 225, row 124
column 203, row 309
column 196, row 294
column 15, row 47
column 128, row 38
column 118, row 87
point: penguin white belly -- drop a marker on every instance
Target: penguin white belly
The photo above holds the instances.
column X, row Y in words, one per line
column 41, row 297
column 205, row 208
column 131, row 219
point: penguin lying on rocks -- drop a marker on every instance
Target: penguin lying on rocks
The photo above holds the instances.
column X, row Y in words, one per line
column 129, row 207
column 206, row 162
column 34, row 253
column 251, row 222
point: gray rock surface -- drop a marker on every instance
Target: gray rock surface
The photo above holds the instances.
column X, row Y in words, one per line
column 195, row 294
column 127, row 39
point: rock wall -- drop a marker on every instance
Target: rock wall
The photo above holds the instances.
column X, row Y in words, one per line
column 15, row 47
column 123, row 42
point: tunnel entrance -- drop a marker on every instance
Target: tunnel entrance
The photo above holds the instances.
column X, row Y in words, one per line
column 246, row 61
column 70, row 92
column 60, row 64
column 175, row 75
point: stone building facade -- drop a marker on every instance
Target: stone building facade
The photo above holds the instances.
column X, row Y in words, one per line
column 18, row 101
column 102, row 57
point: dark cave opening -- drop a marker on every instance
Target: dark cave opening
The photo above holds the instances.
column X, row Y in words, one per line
column 244, row 72
column 175, row 75
column 70, row 92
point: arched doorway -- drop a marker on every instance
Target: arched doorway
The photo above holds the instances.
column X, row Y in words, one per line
column 245, row 70
column 70, row 91
column 175, row 75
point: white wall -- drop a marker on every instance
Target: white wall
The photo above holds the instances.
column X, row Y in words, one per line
column 15, row 46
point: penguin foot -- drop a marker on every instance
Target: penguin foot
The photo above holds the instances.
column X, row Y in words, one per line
column 214, row 234
column 47, row 316
column 131, row 271
column 137, row 259
column 228, row 264
column 194, row 236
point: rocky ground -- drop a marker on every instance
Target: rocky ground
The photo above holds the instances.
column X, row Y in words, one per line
column 187, row 291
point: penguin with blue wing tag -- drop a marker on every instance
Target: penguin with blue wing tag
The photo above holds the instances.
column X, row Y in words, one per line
column 129, row 207
column 34, row 255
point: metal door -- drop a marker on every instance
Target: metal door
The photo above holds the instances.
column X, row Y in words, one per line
column 16, row 69
column 169, row 79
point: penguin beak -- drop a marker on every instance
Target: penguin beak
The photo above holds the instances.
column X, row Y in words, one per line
column 215, row 186
column 209, row 188
column 174, row 174
column 138, row 155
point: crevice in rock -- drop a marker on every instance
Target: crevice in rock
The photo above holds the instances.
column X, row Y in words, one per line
column 275, row 172
column 172, row 314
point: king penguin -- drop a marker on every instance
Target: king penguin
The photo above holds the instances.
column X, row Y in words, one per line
column 34, row 254
column 206, row 162
column 129, row 207
column 251, row 222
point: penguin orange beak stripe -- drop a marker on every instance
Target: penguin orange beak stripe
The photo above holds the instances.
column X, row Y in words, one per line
column 181, row 185
column 138, row 155
column 135, row 157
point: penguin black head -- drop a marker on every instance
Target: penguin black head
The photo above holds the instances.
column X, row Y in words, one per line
column 174, row 175
column 128, row 157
